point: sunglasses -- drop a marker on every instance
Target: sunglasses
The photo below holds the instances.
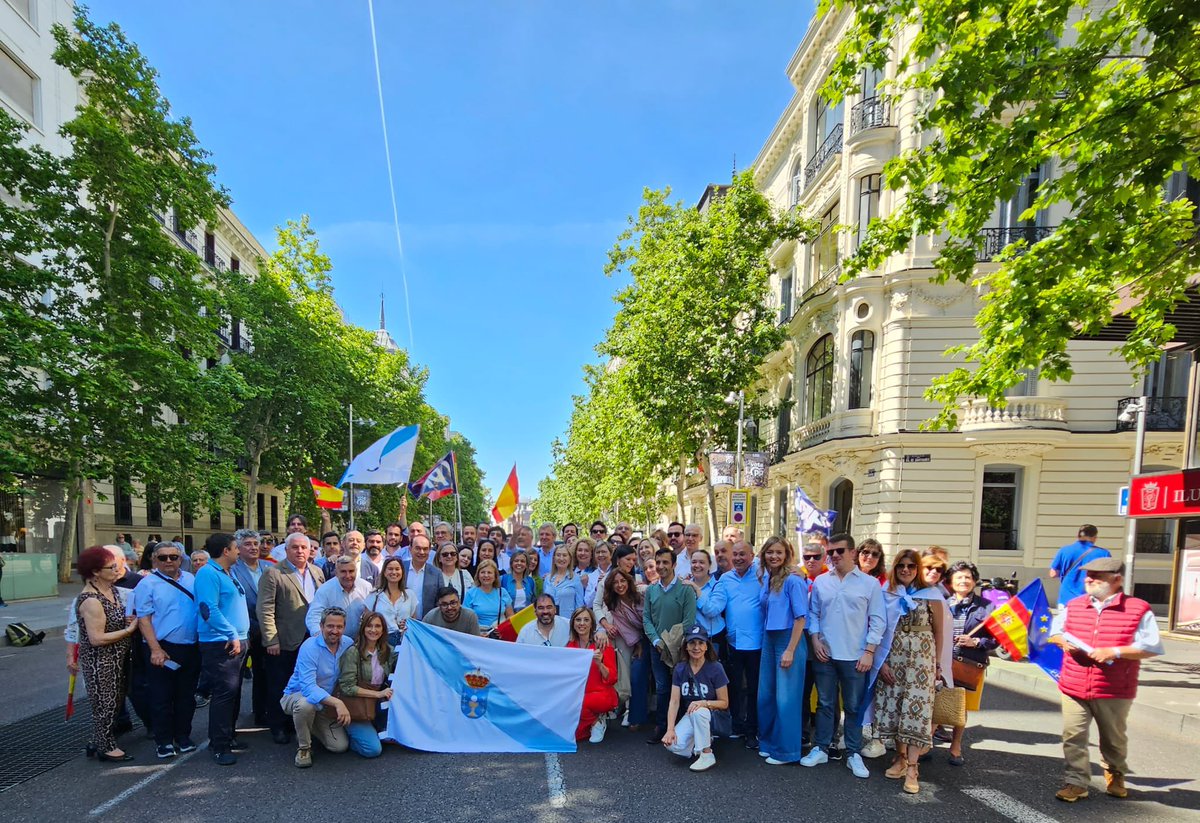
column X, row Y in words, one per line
column 167, row 558
column 449, row 554
column 838, row 552
column 597, row 531
column 808, row 557
column 870, row 554
column 674, row 534
column 906, row 565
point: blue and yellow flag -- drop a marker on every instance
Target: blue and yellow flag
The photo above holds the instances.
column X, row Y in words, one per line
column 1022, row 627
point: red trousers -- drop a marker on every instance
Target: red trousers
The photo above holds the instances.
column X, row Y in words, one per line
column 595, row 703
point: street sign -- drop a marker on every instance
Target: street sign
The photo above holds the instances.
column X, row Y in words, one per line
column 739, row 505
column 1169, row 494
column 1123, row 501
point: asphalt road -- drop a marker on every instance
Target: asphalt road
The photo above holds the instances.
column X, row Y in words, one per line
column 1014, row 762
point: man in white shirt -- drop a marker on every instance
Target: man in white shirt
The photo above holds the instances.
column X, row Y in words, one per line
column 549, row 629
column 347, row 591
column 374, row 553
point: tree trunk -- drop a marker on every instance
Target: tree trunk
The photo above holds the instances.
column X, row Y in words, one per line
column 711, row 497
column 679, row 487
column 66, row 551
column 252, row 488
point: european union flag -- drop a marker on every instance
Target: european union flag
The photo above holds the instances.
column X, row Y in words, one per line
column 1046, row 655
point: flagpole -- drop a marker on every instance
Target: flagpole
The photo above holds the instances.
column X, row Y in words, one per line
column 457, row 500
column 351, row 419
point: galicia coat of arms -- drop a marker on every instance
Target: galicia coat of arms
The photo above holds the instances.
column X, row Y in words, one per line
column 474, row 694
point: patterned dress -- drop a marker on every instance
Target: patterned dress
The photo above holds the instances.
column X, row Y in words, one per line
column 103, row 669
column 904, row 710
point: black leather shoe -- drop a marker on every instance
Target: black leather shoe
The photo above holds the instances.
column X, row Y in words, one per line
column 280, row 736
column 238, row 746
column 109, row 758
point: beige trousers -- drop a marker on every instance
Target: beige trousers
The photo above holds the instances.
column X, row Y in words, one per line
column 310, row 720
column 1110, row 716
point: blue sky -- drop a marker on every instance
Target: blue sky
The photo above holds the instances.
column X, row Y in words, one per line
column 522, row 135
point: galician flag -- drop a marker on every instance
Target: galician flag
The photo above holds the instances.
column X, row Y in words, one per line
column 506, row 501
column 387, row 461
column 328, row 497
column 811, row 519
column 1022, row 627
column 439, row 481
column 456, row 692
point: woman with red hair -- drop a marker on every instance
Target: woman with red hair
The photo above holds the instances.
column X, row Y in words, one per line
column 104, row 641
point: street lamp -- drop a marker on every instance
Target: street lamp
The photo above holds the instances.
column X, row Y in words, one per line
column 738, row 397
column 362, row 421
column 1134, row 410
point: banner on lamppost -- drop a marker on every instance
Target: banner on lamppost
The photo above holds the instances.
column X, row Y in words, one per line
column 724, row 468
column 754, row 470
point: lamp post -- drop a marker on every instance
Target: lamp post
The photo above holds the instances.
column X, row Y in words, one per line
column 362, row 421
column 738, row 397
column 1134, row 410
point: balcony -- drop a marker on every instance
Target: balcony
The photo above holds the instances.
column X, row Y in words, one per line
column 1019, row 413
column 872, row 113
column 827, row 280
column 996, row 240
column 824, row 155
column 1166, row 414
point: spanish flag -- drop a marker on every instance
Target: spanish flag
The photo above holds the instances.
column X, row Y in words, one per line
column 328, row 497
column 1022, row 627
column 506, row 502
column 510, row 628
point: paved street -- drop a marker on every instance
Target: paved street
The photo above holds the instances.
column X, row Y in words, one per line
column 1012, row 772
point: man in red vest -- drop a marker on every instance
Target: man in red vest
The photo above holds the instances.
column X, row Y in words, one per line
column 1104, row 634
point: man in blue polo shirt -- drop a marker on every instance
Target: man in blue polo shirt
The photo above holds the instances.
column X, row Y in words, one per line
column 224, row 630
column 1069, row 561
column 737, row 597
column 165, row 604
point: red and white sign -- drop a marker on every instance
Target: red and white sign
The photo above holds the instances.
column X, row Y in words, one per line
column 1170, row 494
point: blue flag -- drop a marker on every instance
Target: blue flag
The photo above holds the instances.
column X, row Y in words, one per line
column 811, row 519
column 387, row 461
column 1045, row 655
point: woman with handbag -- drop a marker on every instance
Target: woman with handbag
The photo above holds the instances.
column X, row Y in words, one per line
column 392, row 600
column 363, row 682
column 905, row 688
column 700, row 689
column 490, row 602
column 972, row 644
column 599, row 696
column 620, row 615
column 784, row 604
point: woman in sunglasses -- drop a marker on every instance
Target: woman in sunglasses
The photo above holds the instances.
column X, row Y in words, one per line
column 904, row 688
column 453, row 575
column 870, row 560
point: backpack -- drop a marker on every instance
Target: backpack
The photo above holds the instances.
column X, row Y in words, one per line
column 19, row 634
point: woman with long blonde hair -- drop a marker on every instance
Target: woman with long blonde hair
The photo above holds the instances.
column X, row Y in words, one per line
column 784, row 603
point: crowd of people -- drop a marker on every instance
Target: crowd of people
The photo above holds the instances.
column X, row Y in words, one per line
column 832, row 653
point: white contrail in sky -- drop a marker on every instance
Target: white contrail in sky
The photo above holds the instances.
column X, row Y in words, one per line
column 387, row 152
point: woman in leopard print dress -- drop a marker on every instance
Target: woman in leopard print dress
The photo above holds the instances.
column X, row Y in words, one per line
column 104, row 642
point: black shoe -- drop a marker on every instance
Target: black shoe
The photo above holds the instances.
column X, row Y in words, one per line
column 280, row 736
column 185, row 745
column 89, row 751
column 224, row 758
column 656, row 737
column 122, row 726
column 751, row 742
column 202, row 701
column 108, row 758
column 836, row 754
column 165, row 751
column 238, row 746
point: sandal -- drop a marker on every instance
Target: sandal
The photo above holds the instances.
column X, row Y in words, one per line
column 897, row 769
column 911, row 785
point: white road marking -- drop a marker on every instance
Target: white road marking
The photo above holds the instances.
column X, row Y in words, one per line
column 1013, row 809
column 143, row 783
column 555, row 783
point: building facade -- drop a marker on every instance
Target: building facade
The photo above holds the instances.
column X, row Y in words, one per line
column 1012, row 484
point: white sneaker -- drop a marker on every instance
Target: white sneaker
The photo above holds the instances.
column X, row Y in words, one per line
column 703, row 762
column 814, row 758
column 854, row 763
column 598, row 730
column 874, row 749
column 770, row 761
column 625, row 718
column 761, row 753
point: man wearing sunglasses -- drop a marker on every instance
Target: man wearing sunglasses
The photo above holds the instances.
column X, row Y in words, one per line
column 165, row 603
column 598, row 530
column 846, row 621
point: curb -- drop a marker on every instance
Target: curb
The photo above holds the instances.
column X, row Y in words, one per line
column 1019, row 676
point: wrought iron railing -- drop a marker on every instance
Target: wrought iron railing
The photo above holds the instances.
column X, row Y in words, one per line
column 830, row 148
column 825, row 282
column 1154, row 543
column 872, row 113
column 996, row 240
column 1165, row 414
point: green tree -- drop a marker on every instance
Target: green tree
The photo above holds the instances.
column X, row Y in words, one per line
column 695, row 323
column 1110, row 96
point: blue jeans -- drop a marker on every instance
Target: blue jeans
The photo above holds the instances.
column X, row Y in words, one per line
column 364, row 740
column 662, row 690
column 780, row 694
column 832, row 676
column 639, row 685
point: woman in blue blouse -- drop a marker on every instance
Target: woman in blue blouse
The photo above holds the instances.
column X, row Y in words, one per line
column 784, row 601
column 562, row 583
column 490, row 602
column 519, row 583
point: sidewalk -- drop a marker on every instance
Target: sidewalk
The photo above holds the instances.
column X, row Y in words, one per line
column 47, row 614
column 1168, row 689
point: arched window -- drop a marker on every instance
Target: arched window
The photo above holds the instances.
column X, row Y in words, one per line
column 841, row 500
column 862, row 361
column 818, row 380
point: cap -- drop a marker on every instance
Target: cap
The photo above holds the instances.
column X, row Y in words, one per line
column 696, row 632
column 1105, row 564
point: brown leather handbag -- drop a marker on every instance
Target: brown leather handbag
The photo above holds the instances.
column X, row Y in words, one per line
column 967, row 673
column 362, row 709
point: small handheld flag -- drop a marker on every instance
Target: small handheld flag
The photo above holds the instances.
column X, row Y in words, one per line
column 328, row 497
column 1022, row 627
column 506, row 501
column 510, row 628
column 439, row 481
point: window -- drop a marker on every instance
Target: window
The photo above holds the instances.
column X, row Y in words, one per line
column 783, row 423
column 1012, row 209
column 825, row 250
column 781, row 512
column 153, row 505
column 23, row 8
column 999, row 508
column 210, row 248
column 187, row 543
column 1168, row 376
column 239, row 509
column 841, row 499
column 235, row 333
column 869, row 188
column 871, row 78
column 261, row 511
column 797, row 180
column 274, row 513
column 826, row 120
column 214, row 514
column 1027, row 387
column 785, row 295
column 18, row 85
column 818, row 380
column 123, row 500
column 862, row 362
column 189, row 519
column 1182, row 184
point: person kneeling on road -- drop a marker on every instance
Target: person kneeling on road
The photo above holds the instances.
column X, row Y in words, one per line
column 308, row 697
column 700, row 687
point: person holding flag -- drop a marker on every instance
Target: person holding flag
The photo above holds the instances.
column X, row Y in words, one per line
column 1105, row 635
